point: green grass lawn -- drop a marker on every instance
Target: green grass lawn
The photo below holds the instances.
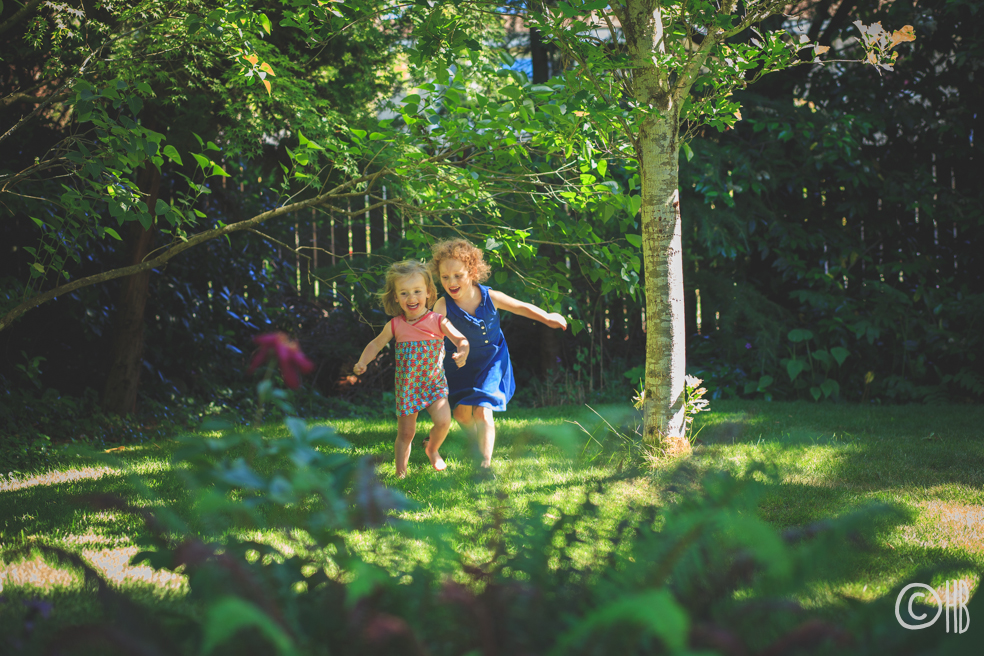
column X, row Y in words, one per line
column 827, row 460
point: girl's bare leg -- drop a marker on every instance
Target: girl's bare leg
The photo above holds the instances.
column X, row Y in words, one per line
column 463, row 414
column 477, row 421
column 440, row 412
column 485, row 432
column 406, row 427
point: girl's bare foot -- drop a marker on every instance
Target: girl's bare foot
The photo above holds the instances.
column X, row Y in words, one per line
column 436, row 460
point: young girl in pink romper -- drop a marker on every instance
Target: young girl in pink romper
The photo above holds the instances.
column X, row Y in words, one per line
column 420, row 382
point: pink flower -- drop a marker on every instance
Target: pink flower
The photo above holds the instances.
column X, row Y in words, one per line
column 287, row 352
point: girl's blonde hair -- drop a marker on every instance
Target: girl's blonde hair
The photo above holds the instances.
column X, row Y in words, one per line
column 464, row 252
column 404, row 269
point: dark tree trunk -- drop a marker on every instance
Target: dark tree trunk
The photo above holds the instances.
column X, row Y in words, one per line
column 549, row 349
column 539, row 57
column 120, row 393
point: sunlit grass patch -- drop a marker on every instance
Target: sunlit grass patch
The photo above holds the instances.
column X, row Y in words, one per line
column 833, row 459
column 948, row 525
column 820, row 462
column 35, row 572
column 54, row 478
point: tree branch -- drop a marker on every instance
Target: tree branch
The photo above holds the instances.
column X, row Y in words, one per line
column 61, row 92
column 7, row 320
column 19, row 16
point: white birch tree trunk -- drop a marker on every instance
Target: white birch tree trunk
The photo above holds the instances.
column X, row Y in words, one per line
column 657, row 151
column 662, row 249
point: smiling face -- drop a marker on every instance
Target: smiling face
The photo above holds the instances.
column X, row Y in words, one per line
column 455, row 278
column 411, row 294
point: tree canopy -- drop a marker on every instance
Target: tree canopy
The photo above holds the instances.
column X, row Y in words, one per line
column 155, row 128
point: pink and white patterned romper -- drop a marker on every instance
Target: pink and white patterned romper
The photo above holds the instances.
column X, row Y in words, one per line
column 419, row 353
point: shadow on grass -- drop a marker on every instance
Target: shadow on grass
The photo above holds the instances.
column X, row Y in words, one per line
column 830, row 459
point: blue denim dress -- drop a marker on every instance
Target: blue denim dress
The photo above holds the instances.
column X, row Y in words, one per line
column 487, row 377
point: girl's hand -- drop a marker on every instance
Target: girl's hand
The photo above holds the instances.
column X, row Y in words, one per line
column 359, row 368
column 461, row 355
column 555, row 320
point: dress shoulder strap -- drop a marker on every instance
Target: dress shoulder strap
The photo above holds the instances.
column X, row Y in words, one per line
column 486, row 297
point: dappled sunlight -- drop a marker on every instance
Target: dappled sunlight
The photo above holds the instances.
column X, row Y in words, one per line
column 112, row 564
column 947, row 525
column 35, row 573
column 813, row 471
column 57, row 477
column 830, row 461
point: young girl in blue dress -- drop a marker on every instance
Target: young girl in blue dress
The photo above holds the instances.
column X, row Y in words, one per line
column 419, row 355
column 485, row 384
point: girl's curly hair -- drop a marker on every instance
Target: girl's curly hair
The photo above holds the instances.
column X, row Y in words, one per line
column 397, row 271
column 464, row 252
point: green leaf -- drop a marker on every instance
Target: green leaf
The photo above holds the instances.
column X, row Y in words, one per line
column 297, row 427
column 307, row 143
column 376, row 136
column 794, row 368
column 265, row 23
column 203, row 161
column 687, row 151
column 830, row 387
column 800, row 335
column 602, row 167
column 161, row 207
column 816, row 392
column 655, row 612
column 764, row 383
column 112, row 233
column 172, row 153
column 229, row 615
column 594, row 5
column 635, row 203
column 635, row 240
column 365, row 579
column 217, row 170
column 840, row 354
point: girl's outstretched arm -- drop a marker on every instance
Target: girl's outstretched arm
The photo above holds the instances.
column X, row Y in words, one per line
column 528, row 310
column 460, row 343
column 373, row 349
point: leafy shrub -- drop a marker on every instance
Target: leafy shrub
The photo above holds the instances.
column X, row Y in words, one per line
column 702, row 573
